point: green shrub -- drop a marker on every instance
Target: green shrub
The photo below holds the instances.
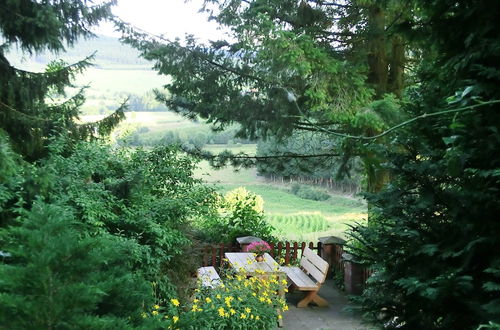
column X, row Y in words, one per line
column 59, row 277
column 136, row 203
column 240, row 213
column 308, row 192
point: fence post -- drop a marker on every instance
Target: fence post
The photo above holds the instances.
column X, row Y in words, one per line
column 353, row 275
column 287, row 253
column 331, row 251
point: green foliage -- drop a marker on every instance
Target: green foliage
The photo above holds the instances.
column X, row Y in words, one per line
column 332, row 167
column 59, row 276
column 34, row 105
column 240, row 213
column 126, row 216
column 291, row 66
column 433, row 241
column 308, row 192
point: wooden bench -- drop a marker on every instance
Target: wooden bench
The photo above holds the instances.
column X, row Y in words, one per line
column 209, row 277
column 309, row 277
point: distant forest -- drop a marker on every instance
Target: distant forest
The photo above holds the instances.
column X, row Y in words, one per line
column 109, row 51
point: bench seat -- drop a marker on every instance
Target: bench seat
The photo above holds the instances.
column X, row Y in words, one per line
column 308, row 277
column 301, row 280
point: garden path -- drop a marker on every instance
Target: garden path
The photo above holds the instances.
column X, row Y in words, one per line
column 333, row 317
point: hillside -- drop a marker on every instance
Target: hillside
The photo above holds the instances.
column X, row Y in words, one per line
column 110, row 53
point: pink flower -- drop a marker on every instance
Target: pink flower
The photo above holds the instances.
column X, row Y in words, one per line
column 258, row 248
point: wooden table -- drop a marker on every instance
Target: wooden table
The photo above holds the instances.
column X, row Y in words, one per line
column 245, row 264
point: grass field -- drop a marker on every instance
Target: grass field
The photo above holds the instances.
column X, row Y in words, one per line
column 135, row 80
column 300, row 219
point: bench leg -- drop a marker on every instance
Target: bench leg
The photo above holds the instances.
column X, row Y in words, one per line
column 312, row 296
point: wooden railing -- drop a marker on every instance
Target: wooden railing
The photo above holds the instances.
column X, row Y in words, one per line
column 292, row 252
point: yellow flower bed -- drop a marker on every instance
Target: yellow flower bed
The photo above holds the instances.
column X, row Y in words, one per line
column 241, row 302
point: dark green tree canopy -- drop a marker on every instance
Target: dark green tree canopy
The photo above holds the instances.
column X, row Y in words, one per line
column 39, row 25
column 34, row 106
column 434, row 243
column 284, row 62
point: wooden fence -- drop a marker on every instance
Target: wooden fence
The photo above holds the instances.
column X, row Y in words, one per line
column 287, row 253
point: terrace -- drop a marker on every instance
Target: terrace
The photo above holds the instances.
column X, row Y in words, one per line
column 335, row 316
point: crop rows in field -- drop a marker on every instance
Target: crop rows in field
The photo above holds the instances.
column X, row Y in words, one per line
column 299, row 223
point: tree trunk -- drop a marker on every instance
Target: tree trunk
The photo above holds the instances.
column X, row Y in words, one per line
column 397, row 63
column 377, row 51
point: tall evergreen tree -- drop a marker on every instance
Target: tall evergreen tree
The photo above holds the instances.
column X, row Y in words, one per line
column 30, row 111
column 434, row 244
column 290, row 65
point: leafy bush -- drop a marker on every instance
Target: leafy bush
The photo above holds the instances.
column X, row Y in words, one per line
column 308, row 192
column 133, row 207
column 58, row 276
column 240, row 213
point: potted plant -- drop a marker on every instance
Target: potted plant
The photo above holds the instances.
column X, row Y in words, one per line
column 258, row 249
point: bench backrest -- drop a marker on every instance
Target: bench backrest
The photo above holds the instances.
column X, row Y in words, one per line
column 314, row 265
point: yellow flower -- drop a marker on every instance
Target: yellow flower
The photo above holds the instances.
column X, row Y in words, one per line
column 280, row 317
column 175, row 302
column 218, row 296
column 175, row 319
column 285, row 308
column 196, row 300
column 232, row 311
column 282, row 260
column 208, row 300
column 222, row 312
column 286, row 290
column 248, row 310
column 262, row 299
column 257, row 317
column 284, row 282
column 269, row 301
column 156, row 307
column 194, row 308
column 154, row 312
column 254, row 294
column 243, row 316
column 251, row 316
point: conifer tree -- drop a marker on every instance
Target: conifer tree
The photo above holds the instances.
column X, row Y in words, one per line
column 30, row 107
column 291, row 65
column 434, row 244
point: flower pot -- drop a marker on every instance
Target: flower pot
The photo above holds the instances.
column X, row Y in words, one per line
column 259, row 258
